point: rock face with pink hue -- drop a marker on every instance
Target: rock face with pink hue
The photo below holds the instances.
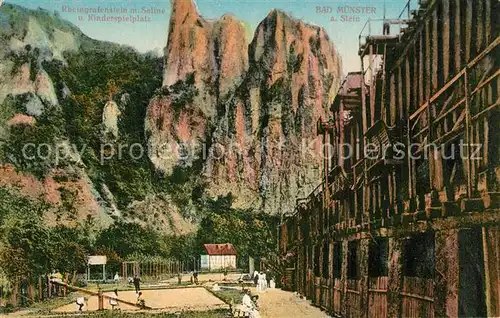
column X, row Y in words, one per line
column 207, row 57
column 269, row 126
column 256, row 106
column 58, row 188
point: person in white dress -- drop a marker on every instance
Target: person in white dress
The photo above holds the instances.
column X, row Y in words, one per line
column 249, row 306
column 272, row 284
column 262, row 282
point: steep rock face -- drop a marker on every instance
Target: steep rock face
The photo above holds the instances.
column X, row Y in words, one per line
column 29, row 44
column 256, row 108
column 265, row 150
column 207, row 58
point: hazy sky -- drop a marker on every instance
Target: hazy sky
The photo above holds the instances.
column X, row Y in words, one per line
column 151, row 35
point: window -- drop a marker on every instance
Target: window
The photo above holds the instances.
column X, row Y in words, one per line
column 337, row 260
column 377, row 257
column 326, row 260
column 419, row 256
column 353, row 260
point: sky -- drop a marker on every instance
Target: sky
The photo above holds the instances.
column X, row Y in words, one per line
column 151, row 35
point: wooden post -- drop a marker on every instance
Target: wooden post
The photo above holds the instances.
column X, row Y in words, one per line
column 65, row 282
column 49, row 286
column 40, row 288
column 445, row 35
column 467, row 133
column 100, row 300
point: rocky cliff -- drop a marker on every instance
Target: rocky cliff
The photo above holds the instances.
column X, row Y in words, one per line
column 204, row 60
column 221, row 115
column 252, row 111
column 55, row 90
column 29, row 40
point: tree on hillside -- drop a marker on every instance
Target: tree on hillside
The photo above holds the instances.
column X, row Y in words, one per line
column 129, row 238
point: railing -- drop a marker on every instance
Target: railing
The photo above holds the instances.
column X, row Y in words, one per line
column 382, row 136
column 340, row 182
column 449, row 113
column 358, row 173
column 407, row 8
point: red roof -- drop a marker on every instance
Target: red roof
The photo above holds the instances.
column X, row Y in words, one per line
column 220, row 249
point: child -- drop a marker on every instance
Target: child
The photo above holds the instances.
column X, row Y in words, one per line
column 140, row 301
column 113, row 300
column 80, row 302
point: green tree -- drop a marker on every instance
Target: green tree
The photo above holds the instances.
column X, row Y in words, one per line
column 129, row 238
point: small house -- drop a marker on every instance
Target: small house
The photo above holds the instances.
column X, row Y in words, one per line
column 219, row 256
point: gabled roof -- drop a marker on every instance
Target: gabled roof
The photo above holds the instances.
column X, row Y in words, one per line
column 349, row 91
column 220, row 249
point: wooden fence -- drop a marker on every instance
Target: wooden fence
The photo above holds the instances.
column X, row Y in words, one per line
column 377, row 296
column 353, row 298
column 152, row 270
column 418, row 297
column 25, row 292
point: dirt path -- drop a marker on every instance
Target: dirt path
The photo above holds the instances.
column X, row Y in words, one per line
column 275, row 303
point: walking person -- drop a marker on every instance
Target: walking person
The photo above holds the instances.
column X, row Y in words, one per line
column 262, row 282
column 195, row 276
column 268, row 278
column 256, row 279
column 137, row 284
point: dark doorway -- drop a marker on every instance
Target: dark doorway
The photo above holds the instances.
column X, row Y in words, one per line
column 471, row 294
column 353, row 260
column 419, row 256
column 337, row 260
column 377, row 257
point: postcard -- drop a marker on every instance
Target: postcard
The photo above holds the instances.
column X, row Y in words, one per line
column 250, row 158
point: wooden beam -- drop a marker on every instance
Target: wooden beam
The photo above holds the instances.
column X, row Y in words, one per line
column 91, row 293
column 421, row 62
column 392, row 99
column 372, row 85
column 436, row 58
column 437, row 94
column 400, row 114
column 445, row 35
column 485, row 52
column 487, row 21
column 468, row 29
column 457, row 37
column 479, row 25
column 428, row 61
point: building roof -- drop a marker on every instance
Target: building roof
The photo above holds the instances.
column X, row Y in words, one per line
column 351, row 84
column 349, row 91
column 220, row 249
